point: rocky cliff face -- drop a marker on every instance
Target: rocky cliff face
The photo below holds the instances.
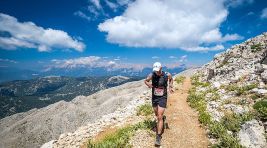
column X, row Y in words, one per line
column 38, row 126
column 234, row 81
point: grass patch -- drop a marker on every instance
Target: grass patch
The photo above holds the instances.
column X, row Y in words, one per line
column 204, row 118
column 195, row 81
column 197, row 100
column 230, row 122
column 240, row 90
column 145, row 110
column 121, row 137
column 254, row 97
column 179, row 79
column 261, row 108
column 233, row 121
column 256, row 47
column 223, row 63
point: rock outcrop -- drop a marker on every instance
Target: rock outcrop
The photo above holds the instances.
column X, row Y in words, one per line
column 237, row 79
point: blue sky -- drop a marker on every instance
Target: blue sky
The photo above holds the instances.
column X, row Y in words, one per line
column 39, row 35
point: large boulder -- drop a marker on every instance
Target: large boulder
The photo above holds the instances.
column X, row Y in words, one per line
column 264, row 76
column 251, row 135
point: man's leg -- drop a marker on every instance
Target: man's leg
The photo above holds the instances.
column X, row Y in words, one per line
column 160, row 119
column 155, row 108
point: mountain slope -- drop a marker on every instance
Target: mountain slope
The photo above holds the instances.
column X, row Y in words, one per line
column 37, row 126
column 233, row 89
column 23, row 95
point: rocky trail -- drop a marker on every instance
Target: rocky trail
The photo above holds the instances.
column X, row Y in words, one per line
column 184, row 128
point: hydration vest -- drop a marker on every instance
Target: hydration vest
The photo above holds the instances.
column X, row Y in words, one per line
column 160, row 82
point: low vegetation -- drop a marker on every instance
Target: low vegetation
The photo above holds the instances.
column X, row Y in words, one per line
column 240, row 90
column 225, row 62
column 261, row 108
column 145, row 110
column 121, row 137
column 256, row 47
column 254, row 97
column 224, row 131
column 179, row 79
column 195, row 81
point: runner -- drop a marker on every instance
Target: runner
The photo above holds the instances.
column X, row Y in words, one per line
column 160, row 82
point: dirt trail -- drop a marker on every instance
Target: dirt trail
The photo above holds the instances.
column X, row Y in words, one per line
column 185, row 130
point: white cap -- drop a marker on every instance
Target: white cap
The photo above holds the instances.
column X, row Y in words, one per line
column 156, row 66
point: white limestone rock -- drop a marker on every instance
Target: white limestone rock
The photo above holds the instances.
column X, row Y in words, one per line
column 251, row 135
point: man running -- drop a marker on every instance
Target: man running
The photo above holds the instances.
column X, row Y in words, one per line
column 160, row 81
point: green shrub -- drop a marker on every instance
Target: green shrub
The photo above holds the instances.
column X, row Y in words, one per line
column 121, row 137
column 261, row 108
column 228, row 141
column 240, row 90
column 145, row 110
column 231, row 87
column 217, row 129
column 204, row 118
column 196, row 100
column 180, row 79
column 256, row 47
column 250, row 86
column 254, row 97
column 194, row 79
column 231, row 122
column 225, row 62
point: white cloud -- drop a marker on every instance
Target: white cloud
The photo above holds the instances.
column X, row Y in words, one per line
column 93, row 62
column 112, row 5
column 82, row 15
column 169, row 24
column 264, row 13
column 96, row 3
column 236, row 3
column 124, row 2
column 172, row 57
column 8, row 60
column 232, row 37
column 155, row 57
column 213, row 48
column 28, row 35
column 183, row 58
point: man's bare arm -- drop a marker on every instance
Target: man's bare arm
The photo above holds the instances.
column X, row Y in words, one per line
column 147, row 80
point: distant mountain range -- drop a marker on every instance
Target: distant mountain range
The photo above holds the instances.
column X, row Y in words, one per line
column 23, row 95
column 9, row 74
column 22, row 90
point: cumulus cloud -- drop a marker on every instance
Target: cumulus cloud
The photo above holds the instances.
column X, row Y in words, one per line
column 93, row 62
column 29, row 35
column 264, row 13
column 169, row 24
